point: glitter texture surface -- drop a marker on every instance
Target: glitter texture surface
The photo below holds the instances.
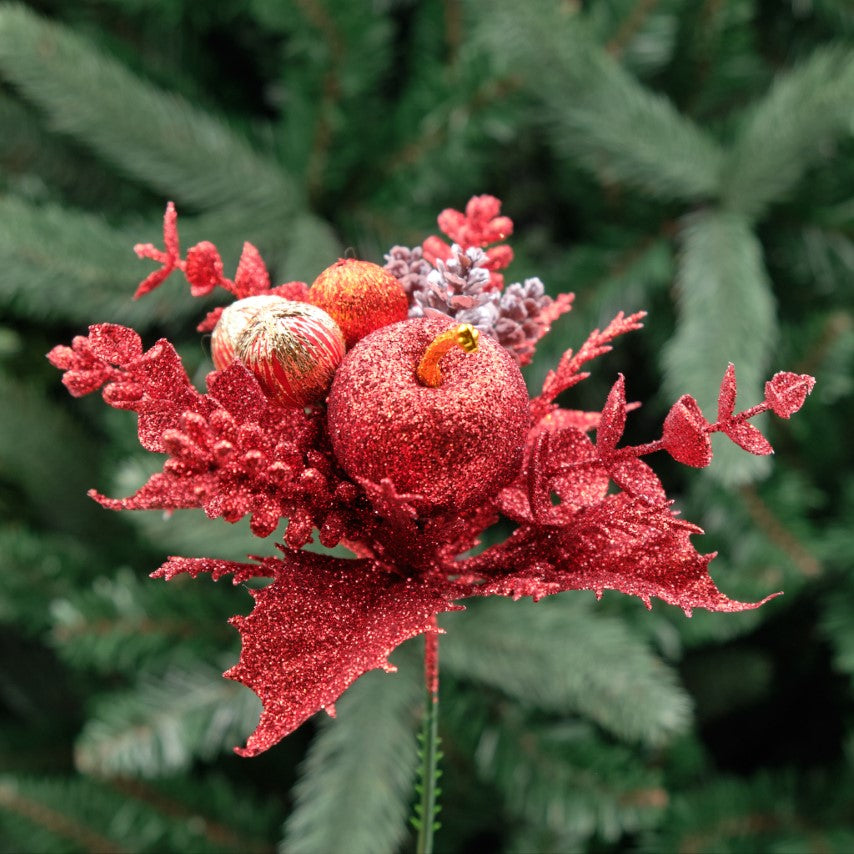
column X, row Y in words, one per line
column 407, row 477
column 293, row 349
column 359, row 296
column 451, row 445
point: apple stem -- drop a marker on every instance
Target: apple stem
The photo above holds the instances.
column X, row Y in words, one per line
column 464, row 336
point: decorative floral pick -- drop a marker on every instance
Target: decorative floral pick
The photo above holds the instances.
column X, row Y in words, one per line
column 404, row 448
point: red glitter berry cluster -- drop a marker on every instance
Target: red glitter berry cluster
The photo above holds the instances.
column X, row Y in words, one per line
column 425, row 439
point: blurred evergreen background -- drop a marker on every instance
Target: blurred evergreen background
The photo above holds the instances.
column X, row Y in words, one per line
column 689, row 157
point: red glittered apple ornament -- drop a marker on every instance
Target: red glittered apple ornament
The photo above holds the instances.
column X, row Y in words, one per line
column 429, row 405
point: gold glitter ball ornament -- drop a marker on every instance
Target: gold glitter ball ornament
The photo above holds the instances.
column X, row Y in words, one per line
column 233, row 320
column 293, row 349
column 359, row 296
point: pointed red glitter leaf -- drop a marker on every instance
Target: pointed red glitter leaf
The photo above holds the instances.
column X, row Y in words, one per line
column 613, row 419
column 620, row 544
column 296, row 291
column 435, row 249
column 320, row 625
column 638, row 479
column 237, row 391
column 203, row 268
column 726, row 396
column 170, row 231
column 113, row 343
column 564, row 464
column 210, row 320
column 252, row 276
column 786, row 392
column 196, row 566
column 160, row 492
column 748, row 437
column 685, row 436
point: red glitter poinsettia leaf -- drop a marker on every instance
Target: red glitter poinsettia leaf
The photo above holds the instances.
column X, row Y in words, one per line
column 635, row 477
column 196, row 566
column 613, row 419
column 169, row 258
column 251, row 276
column 748, row 437
column 786, row 392
column 622, row 544
column 167, row 394
column 321, row 624
column 160, row 492
column 238, row 392
column 565, row 474
column 726, row 395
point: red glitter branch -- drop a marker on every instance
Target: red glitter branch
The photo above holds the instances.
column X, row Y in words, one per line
column 203, row 269
column 480, row 226
column 568, row 372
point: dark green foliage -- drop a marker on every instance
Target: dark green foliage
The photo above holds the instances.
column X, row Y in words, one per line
column 690, row 158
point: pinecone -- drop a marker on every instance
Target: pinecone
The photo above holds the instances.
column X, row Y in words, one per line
column 409, row 267
column 457, row 287
column 519, row 326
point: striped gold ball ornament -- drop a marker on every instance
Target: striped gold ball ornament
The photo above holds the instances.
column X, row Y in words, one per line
column 233, row 320
column 293, row 349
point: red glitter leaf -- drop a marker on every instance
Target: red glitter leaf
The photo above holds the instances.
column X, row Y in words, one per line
column 296, row 291
column 613, row 420
column 435, row 249
column 637, row 478
column 622, row 543
column 786, row 392
column 211, row 319
column 748, row 437
column 321, row 624
column 685, row 435
column 170, row 258
column 564, row 464
column 726, row 396
column 203, row 268
column 251, row 276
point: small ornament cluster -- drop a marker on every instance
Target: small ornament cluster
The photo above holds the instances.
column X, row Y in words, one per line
column 369, row 410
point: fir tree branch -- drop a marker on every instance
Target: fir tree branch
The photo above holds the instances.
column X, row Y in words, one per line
column 574, row 661
column 356, row 784
column 789, row 130
column 598, row 112
column 726, row 314
column 15, row 799
column 155, row 137
column 165, row 723
column 60, row 265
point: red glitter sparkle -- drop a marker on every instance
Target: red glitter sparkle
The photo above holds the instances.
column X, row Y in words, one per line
column 323, row 621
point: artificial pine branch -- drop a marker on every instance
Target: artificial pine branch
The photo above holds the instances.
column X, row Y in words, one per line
column 599, row 113
column 356, row 784
column 165, row 722
column 153, row 136
column 791, row 128
column 575, row 661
